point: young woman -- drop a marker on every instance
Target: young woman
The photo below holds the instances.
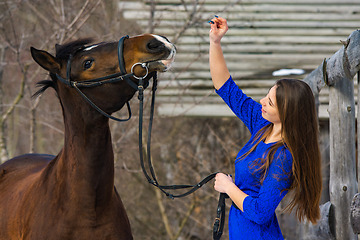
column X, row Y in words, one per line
column 281, row 155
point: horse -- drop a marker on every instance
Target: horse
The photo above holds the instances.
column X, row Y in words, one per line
column 72, row 195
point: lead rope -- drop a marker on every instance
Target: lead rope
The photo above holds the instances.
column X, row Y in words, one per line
column 220, row 213
column 220, row 217
column 219, row 220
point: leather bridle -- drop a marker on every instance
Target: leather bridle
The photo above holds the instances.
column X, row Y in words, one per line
column 112, row 78
column 122, row 75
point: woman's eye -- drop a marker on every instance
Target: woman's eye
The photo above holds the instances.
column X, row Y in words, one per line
column 88, row 64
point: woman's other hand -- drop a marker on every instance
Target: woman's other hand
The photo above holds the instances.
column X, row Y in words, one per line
column 222, row 182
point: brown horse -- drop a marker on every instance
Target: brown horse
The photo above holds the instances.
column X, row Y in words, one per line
column 72, row 195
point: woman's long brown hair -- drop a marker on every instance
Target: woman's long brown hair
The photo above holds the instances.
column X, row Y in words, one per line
column 297, row 113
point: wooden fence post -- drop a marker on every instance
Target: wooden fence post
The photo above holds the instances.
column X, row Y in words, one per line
column 343, row 184
column 355, row 205
column 358, row 131
column 324, row 229
column 355, row 214
column 338, row 73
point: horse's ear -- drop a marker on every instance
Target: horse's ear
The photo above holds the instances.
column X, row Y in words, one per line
column 57, row 46
column 45, row 60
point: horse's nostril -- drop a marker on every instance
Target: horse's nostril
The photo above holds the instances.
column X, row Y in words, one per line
column 155, row 44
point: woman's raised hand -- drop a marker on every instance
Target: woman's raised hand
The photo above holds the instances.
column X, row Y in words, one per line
column 218, row 29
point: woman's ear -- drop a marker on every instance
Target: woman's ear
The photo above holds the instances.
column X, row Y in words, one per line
column 45, row 60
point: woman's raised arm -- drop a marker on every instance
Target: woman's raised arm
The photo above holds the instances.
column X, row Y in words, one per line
column 218, row 69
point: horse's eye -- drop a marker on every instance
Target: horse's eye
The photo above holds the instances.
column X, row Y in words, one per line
column 88, row 64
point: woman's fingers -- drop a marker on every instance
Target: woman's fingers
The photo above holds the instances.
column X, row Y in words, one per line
column 218, row 28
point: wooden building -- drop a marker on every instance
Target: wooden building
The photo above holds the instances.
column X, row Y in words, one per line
column 264, row 37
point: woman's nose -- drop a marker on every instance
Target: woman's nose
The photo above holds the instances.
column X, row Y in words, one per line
column 262, row 101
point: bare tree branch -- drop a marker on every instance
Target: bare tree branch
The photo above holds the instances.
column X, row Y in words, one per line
column 84, row 20
column 163, row 213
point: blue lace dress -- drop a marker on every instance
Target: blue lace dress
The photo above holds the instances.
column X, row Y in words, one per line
column 258, row 220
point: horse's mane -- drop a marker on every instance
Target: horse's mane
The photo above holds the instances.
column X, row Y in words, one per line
column 62, row 52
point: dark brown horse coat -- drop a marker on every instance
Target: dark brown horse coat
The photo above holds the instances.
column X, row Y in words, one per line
column 72, row 195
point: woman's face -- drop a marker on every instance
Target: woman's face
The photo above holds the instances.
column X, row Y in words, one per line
column 269, row 108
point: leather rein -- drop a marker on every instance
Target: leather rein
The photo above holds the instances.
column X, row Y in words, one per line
column 121, row 76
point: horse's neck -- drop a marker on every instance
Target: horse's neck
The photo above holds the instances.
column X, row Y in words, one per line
column 90, row 146
column 86, row 163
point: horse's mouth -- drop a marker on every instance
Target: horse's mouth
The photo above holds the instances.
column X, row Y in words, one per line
column 164, row 64
column 167, row 63
column 161, row 65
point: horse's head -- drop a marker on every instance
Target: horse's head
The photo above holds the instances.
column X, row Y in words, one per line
column 80, row 62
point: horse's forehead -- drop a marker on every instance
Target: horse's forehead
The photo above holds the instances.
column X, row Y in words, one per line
column 157, row 37
column 91, row 47
column 98, row 46
column 105, row 47
column 104, row 44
